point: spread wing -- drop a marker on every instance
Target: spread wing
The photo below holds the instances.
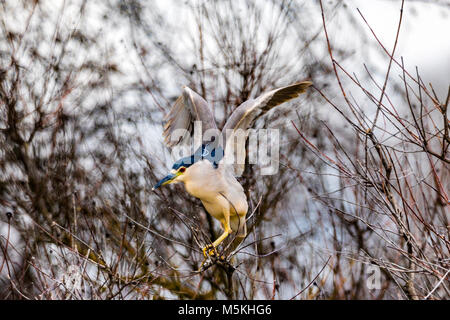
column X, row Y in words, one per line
column 245, row 116
column 189, row 107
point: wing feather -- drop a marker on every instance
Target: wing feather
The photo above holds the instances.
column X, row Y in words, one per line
column 189, row 107
column 248, row 112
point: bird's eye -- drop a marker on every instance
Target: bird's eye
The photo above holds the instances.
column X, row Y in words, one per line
column 182, row 169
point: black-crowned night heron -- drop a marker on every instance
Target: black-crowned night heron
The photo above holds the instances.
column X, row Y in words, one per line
column 207, row 174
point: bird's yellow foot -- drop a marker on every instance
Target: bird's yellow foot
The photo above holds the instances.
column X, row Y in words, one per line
column 209, row 250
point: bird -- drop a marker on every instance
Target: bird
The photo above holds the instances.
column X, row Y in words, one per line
column 206, row 174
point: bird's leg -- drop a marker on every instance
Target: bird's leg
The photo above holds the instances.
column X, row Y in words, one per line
column 224, row 235
column 211, row 248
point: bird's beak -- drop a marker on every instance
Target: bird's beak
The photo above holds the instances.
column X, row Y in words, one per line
column 166, row 180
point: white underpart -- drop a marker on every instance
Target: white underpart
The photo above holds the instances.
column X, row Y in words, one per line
column 219, row 192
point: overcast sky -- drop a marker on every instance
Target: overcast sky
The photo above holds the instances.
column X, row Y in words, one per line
column 424, row 37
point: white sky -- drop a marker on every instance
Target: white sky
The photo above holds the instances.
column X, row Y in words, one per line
column 424, row 36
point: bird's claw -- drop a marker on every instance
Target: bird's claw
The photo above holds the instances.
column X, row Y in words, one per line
column 209, row 250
